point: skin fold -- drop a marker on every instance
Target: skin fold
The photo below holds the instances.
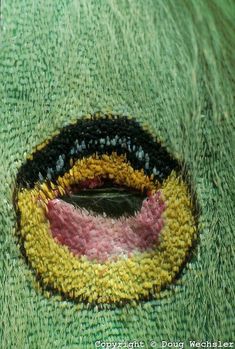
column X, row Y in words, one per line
column 168, row 64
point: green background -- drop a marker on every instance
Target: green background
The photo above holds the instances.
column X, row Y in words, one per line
column 169, row 65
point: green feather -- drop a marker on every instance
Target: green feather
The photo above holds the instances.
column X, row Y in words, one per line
column 170, row 64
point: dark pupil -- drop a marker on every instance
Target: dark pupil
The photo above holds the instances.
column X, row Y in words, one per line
column 113, row 201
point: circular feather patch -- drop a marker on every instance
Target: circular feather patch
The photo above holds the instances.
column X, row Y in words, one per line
column 104, row 213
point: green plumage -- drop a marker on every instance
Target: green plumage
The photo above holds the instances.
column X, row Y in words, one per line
column 167, row 63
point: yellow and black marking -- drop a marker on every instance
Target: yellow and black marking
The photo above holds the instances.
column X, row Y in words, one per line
column 96, row 135
column 119, row 151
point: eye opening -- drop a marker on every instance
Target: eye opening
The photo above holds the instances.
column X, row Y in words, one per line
column 111, row 201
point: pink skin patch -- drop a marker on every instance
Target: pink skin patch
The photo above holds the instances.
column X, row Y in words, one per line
column 100, row 238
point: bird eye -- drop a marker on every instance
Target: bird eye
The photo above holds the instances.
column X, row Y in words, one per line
column 105, row 215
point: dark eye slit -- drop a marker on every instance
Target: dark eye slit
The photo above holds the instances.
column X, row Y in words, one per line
column 111, row 200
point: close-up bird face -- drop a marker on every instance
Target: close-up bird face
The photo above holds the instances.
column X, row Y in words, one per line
column 117, row 175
